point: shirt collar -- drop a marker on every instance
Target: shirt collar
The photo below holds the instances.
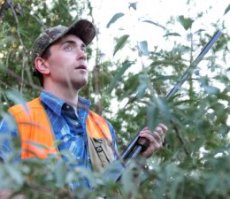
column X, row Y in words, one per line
column 56, row 104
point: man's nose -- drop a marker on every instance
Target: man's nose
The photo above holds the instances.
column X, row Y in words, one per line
column 81, row 54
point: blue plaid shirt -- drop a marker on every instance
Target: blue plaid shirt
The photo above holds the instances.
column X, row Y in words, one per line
column 72, row 138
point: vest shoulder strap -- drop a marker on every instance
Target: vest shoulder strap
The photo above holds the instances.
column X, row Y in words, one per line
column 99, row 141
column 97, row 127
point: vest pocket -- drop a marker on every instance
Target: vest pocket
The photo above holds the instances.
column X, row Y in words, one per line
column 101, row 153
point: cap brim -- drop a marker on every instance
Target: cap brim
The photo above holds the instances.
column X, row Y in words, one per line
column 83, row 29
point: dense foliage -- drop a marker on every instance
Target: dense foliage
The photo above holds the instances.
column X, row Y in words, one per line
column 194, row 162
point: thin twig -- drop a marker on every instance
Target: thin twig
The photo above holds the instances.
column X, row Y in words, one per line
column 22, row 81
column 22, row 44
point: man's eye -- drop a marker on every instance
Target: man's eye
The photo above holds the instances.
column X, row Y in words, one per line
column 69, row 48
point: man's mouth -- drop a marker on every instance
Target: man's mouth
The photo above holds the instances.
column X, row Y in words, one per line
column 81, row 67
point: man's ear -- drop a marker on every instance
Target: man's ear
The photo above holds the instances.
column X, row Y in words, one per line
column 41, row 65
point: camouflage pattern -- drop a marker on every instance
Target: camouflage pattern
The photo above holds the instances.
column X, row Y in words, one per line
column 83, row 29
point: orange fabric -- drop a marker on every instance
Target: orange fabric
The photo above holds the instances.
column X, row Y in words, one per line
column 34, row 129
column 98, row 127
column 36, row 133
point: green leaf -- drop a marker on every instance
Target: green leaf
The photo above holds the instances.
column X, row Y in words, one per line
column 125, row 65
column 120, row 43
column 143, row 47
column 164, row 110
column 60, row 173
column 152, row 112
column 9, row 121
column 212, row 183
column 115, row 18
column 185, row 22
column 17, row 98
column 155, row 24
column 227, row 9
column 172, row 34
column 143, row 84
column 15, row 174
column 133, row 5
column 131, row 179
column 211, row 90
column 113, row 171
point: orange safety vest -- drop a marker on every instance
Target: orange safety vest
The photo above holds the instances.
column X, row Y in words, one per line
column 36, row 134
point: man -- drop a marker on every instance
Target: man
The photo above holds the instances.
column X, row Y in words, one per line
column 59, row 114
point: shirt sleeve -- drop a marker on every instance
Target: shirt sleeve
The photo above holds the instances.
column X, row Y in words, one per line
column 8, row 132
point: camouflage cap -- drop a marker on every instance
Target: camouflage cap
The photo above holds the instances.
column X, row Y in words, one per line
column 83, row 29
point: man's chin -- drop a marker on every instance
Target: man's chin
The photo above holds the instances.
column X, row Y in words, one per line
column 80, row 84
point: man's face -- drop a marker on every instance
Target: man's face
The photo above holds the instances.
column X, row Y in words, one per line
column 67, row 63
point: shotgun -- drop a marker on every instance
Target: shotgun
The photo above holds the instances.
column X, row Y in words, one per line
column 138, row 145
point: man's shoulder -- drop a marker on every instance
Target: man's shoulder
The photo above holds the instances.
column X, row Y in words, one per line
column 25, row 107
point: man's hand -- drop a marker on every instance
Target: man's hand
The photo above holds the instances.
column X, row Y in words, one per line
column 155, row 139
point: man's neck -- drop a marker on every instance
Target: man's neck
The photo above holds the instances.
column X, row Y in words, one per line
column 70, row 96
